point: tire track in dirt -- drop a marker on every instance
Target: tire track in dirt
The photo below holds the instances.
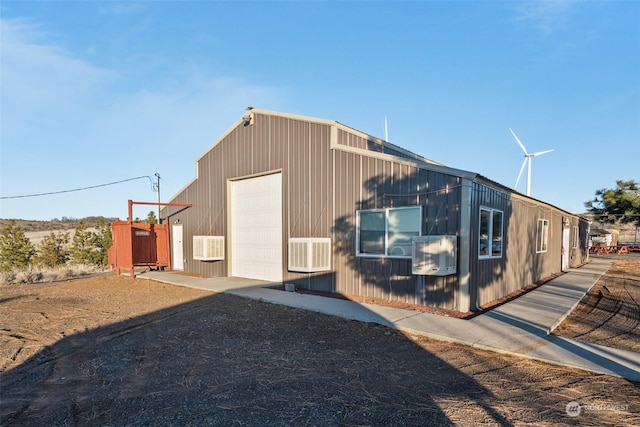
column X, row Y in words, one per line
column 609, row 314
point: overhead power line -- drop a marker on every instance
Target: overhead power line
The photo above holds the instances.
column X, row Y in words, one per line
column 81, row 189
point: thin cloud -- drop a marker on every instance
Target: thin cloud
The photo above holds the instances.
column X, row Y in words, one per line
column 37, row 76
column 120, row 8
column 545, row 15
column 41, row 81
column 73, row 113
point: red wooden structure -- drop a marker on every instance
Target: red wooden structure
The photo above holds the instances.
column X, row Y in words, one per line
column 140, row 244
column 619, row 249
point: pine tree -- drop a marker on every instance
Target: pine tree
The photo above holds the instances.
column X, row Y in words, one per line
column 83, row 249
column 16, row 250
column 151, row 218
column 617, row 205
column 52, row 250
column 102, row 242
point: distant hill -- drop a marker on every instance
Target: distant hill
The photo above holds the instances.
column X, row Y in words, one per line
column 65, row 223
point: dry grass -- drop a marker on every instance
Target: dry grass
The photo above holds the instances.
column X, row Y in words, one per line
column 49, row 275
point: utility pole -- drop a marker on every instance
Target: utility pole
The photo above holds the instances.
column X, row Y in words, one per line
column 157, row 185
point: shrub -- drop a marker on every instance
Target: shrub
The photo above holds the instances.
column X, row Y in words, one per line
column 16, row 250
column 83, row 250
column 52, row 250
column 102, row 242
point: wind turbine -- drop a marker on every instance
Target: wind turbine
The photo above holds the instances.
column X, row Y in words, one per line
column 527, row 161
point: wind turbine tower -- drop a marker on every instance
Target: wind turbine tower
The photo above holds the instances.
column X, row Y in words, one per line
column 527, row 162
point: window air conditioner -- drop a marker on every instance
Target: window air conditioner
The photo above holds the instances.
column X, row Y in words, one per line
column 434, row 255
column 309, row 254
column 208, row 248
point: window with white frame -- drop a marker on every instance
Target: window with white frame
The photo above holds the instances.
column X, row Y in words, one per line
column 542, row 235
column 576, row 237
column 387, row 232
column 490, row 236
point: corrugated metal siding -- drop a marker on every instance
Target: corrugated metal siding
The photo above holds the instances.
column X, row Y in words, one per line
column 299, row 149
column 310, row 203
column 315, row 205
column 351, row 140
column 578, row 255
column 520, row 265
column 487, row 275
column 368, row 183
column 323, row 189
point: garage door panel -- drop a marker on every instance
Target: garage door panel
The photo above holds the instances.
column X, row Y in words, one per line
column 256, row 221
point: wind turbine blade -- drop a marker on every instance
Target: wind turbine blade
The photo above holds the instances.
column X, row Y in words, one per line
column 518, row 141
column 520, row 174
column 541, row 152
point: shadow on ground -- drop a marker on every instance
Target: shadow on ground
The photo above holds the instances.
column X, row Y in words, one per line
column 225, row 360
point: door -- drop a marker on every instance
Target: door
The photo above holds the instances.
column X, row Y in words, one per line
column 566, row 249
column 256, row 228
column 177, row 251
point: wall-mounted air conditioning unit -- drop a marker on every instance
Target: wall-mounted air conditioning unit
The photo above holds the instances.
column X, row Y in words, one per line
column 309, row 254
column 208, row 248
column 434, row 255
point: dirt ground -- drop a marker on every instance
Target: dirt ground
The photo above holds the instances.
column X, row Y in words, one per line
column 119, row 351
column 610, row 312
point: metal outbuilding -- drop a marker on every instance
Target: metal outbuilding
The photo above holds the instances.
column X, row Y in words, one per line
column 321, row 206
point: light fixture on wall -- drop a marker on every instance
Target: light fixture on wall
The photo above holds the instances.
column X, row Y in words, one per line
column 248, row 117
column 177, row 221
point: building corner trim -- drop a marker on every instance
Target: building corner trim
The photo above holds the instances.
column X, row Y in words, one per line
column 464, row 290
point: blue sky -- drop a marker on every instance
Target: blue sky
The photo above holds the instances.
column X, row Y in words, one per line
column 98, row 92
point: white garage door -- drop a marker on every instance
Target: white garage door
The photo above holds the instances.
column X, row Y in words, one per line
column 256, row 228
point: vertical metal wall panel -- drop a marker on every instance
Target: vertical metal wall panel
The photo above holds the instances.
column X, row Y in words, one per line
column 344, row 220
column 320, row 182
column 442, row 196
column 322, row 200
column 276, row 134
column 519, row 265
column 358, row 141
column 376, row 183
column 413, row 175
column 423, row 188
column 377, row 199
column 298, row 181
column 582, row 254
column 368, row 200
column 487, row 275
column 261, row 149
column 310, row 185
column 431, row 204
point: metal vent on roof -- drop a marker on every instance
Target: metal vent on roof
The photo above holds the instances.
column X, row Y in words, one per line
column 208, row 248
column 434, row 255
